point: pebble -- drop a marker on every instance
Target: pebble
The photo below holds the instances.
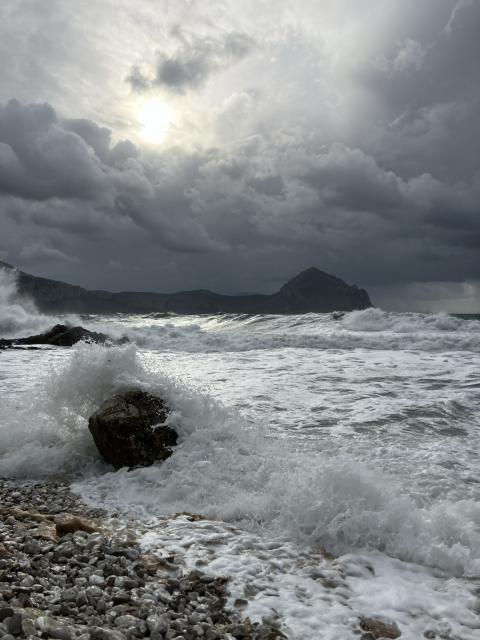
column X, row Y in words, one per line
column 87, row 586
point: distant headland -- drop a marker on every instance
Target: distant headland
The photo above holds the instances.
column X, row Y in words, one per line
column 310, row 291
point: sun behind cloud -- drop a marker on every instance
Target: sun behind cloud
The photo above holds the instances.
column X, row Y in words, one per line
column 155, row 118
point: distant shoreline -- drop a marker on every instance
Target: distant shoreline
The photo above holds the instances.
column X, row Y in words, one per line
column 312, row 291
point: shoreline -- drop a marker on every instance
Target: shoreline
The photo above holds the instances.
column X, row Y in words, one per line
column 83, row 574
column 98, row 582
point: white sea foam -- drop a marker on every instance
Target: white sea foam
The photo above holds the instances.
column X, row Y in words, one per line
column 18, row 314
column 310, row 596
column 379, row 320
column 228, row 467
column 372, row 329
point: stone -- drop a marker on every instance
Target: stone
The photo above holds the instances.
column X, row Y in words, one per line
column 131, row 554
column 28, row 628
column 81, row 599
column 101, row 606
column 163, row 596
column 98, row 581
column 156, row 624
column 121, row 597
column 73, row 525
column 379, row 629
column 61, row 634
column 68, row 595
column 106, row 634
column 125, row 621
column 240, row 602
column 94, row 591
column 15, row 624
column 130, row 584
column 27, row 581
column 48, row 624
column 6, row 612
column 122, row 429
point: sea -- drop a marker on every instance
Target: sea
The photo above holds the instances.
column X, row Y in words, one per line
column 355, row 432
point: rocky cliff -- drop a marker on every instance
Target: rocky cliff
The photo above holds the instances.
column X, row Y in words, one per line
column 310, row 291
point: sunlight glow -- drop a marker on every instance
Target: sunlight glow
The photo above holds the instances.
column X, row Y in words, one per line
column 155, row 118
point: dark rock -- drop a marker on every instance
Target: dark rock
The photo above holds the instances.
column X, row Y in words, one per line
column 121, row 598
column 122, row 430
column 6, row 612
column 81, row 599
column 15, row 624
column 62, row 336
column 379, row 629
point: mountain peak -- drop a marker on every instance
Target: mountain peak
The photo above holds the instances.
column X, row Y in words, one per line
column 320, row 291
column 311, row 291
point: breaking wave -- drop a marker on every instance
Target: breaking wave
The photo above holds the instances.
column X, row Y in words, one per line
column 369, row 329
column 226, row 467
column 18, row 314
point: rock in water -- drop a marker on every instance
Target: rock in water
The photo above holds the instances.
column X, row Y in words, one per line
column 378, row 629
column 129, row 430
column 62, row 336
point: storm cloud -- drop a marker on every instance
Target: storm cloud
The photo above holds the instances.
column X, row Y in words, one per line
column 323, row 134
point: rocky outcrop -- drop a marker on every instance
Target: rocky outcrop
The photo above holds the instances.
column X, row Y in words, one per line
column 315, row 290
column 129, row 430
column 59, row 336
column 46, row 293
column 311, row 291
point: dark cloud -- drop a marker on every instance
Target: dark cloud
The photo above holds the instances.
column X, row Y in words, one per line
column 69, row 164
column 98, row 138
column 339, row 204
column 426, row 94
column 332, row 136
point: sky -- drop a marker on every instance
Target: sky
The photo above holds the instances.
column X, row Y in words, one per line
column 166, row 145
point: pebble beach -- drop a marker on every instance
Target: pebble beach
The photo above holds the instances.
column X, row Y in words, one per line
column 96, row 582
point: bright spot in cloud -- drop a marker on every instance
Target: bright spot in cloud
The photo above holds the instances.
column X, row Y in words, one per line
column 155, row 118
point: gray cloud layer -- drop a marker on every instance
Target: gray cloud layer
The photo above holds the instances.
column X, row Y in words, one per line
column 195, row 59
column 357, row 154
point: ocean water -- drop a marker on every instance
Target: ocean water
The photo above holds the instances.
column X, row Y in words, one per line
column 357, row 433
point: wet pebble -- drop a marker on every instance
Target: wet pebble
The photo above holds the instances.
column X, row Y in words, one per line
column 86, row 586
